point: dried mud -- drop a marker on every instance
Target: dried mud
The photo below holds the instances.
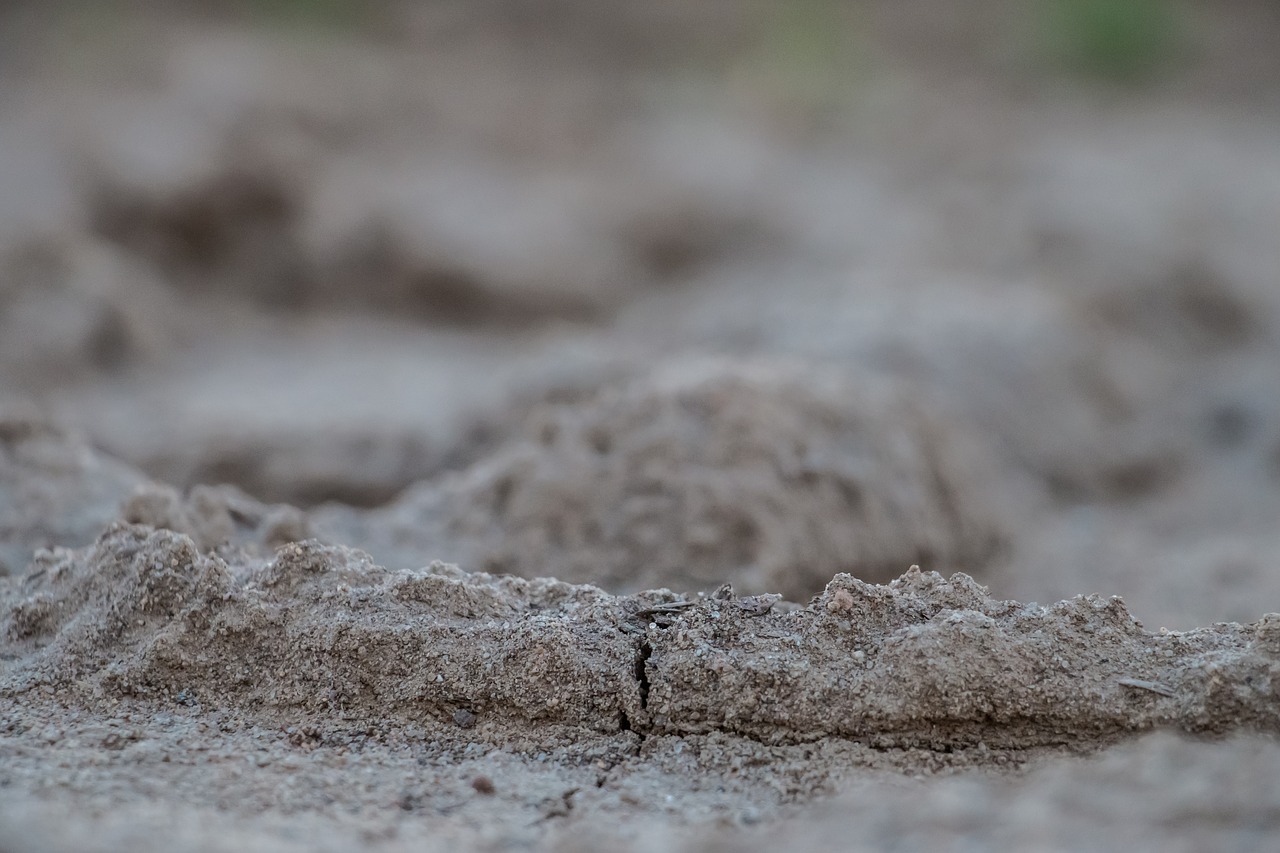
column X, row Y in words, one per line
column 497, row 708
column 921, row 661
column 466, row 431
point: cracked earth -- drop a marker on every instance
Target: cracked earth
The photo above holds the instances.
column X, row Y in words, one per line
column 452, row 428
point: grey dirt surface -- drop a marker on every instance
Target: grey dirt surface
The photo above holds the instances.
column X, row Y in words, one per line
column 536, row 711
column 698, row 426
column 920, row 661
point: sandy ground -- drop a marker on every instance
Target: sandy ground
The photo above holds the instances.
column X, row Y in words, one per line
column 476, row 430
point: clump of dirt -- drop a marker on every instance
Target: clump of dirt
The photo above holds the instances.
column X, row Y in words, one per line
column 770, row 475
column 508, row 650
column 934, row 662
column 216, row 517
column 144, row 613
column 920, row 662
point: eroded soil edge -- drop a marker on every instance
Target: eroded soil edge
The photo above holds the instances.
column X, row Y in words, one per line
column 321, row 632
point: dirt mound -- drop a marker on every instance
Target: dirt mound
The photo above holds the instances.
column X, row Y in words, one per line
column 550, row 713
column 217, row 518
column 766, row 474
column 921, row 662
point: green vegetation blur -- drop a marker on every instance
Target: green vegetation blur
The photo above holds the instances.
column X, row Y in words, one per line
column 325, row 14
column 1120, row 40
column 813, row 53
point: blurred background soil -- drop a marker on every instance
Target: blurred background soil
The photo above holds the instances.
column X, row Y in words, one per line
column 660, row 294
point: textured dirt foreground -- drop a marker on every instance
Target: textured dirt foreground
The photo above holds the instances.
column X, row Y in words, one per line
column 160, row 690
